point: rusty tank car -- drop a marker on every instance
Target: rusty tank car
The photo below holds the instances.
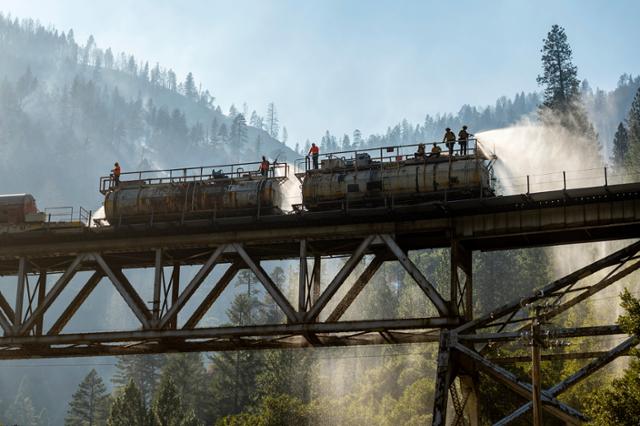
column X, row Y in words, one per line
column 179, row 195
column 395, row 176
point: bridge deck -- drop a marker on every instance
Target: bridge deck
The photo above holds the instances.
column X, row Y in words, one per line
column 504, row 222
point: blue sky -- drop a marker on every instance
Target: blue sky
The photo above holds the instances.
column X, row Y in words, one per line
column 348, row 64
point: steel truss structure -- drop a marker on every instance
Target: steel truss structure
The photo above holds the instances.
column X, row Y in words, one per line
column 42, row 266
column 25, row 334
column 467, row 349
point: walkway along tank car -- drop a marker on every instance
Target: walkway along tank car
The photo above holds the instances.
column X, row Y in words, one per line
column 395, row 176
column 178, row 195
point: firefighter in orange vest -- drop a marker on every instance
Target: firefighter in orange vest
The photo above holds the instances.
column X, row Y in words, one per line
column 264, row 167
column 115, row 174
column 314, row 152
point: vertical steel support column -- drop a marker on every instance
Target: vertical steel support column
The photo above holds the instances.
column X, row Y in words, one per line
column 469, row 386
column 302, row 282
column 157, row 286
column 22, row 275
column 462, row 286
column 175, row 291
column 317, row 276
column 444, row 378
column 462, row 299
column 535, row 370
column 42, row 292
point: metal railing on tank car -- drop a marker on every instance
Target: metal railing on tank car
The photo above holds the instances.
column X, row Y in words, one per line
column 386, row 154
column 196, row 174
column 67, row 214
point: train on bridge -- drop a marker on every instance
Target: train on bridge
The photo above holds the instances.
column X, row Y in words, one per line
column 379, row 177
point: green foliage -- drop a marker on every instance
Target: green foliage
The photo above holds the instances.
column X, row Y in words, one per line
column 281, row 410
column 143, row 370
column 630, row 321
column 287, row 372
column 619, row 403
column 560, row 76
column 167, row 408
column 22, row 411
column 90, row 402
column 188, row 375
column 562, row 104
column 633, row 122
column 620, row 147
column 128, row 408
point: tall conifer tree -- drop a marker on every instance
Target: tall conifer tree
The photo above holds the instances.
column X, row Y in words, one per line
column 562, row 104
column 620, row 146
column 633, row 122
column 89, row 404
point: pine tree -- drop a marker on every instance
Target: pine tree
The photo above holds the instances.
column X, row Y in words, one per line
column 620, row 146
column 22, row 411
column 187, row 374
column 89, row 403
column 128, row 408
column 233, row 383
column 223, row 134
column 108, row 59
column 190, row 90
column 143, row 370
column 233, row 111
column 272, row 123
column 562, row 103
column 238, row 133
column 560, row 76
column 633, row 121
column 168, row 409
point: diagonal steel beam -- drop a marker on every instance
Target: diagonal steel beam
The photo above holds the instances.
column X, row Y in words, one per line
column 550, row 403
column 593, row 289
column 5, row 324
column 444, row 378
column 213, row 295
column 268, row 284
column 339, row 279
column 302, row 277
column 22, row 272
column 42, row 293
column 75, row 304
column 356, row 288
column 441, row 305
column 619, row 256
column 157, row 284
column 6, row 308
column 191, row 288
column 126, row 290
column 576, row 377
column 53, row 294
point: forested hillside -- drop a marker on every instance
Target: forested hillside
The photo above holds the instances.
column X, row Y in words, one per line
column 606, row 109
column 69, row 109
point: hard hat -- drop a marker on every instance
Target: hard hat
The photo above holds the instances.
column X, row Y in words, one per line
column 448, row 129
column 464, row 127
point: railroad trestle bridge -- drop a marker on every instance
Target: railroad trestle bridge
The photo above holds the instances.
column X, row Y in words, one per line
column 382, row 235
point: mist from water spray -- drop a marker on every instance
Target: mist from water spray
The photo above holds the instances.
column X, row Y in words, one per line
column 543, row 154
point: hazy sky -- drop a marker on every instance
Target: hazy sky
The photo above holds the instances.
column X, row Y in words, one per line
column 348, row 64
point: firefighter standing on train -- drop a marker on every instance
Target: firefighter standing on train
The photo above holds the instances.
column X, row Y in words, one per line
column 314, row 152
column 115, row 174
column 450, row 140
column 463, row 140
column 264, row 167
